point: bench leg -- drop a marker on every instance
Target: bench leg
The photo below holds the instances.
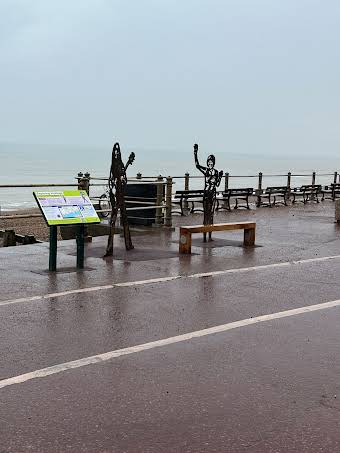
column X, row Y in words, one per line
column 249, row 237
column 181, row 206
column 184, row 242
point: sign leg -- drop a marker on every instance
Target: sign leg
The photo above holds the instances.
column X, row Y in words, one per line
column 53, row 248
column 80, row 246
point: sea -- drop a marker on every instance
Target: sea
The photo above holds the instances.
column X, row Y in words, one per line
column 45, row 164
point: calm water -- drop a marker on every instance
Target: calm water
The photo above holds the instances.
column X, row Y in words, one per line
column 60, row 164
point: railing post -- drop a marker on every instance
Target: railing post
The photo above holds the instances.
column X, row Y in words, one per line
column 289, row 182
column 335, row 176
column 84, row 182
column 226, row 181
column 159, row 201
column 226, row 187
column 79, row 177
column 186, row 187
column 168, row 208
column 186, row 181
column 259, row 189
column 313, row 184
column 87, row 182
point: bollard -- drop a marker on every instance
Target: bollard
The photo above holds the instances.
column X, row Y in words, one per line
column 168, row 208
column 186, row 187
column 335, row 177
column 159, row 201
column 9, row 238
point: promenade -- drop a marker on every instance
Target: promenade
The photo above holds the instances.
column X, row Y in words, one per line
column 230, row 349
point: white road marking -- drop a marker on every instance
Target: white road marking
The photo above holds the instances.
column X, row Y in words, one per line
column 164, row 279
column 100, row 358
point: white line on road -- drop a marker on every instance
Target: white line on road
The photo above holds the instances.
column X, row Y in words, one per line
column 100, row 358
column 164, row 279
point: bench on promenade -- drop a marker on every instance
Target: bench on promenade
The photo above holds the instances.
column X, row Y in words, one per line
column 237, row 194
column 186, row 232
column 333, row 190
column 183, row 197
column 271, row 194
column 308, row 192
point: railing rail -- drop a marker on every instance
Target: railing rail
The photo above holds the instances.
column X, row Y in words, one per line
column 162, row 203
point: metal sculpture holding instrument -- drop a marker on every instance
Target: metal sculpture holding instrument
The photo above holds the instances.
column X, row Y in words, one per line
column 117, row 185
column 212, row 181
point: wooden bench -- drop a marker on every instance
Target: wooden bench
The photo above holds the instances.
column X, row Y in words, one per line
column 271, row 194
column 308, row 192
column 185, row 233
column 182, row 197
column 237, row 194
column 333, row 190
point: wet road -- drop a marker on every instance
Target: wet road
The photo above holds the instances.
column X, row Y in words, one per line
column 268, row 387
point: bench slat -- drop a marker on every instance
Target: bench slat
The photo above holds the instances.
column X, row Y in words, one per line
column 219, row 227
column 186, row 232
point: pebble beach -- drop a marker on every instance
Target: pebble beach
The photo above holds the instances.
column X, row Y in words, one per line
column 36, row 225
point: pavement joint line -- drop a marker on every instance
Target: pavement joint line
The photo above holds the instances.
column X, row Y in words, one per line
column 106, row 356
column 164, row 280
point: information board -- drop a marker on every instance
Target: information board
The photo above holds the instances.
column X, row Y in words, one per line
column 68, row 207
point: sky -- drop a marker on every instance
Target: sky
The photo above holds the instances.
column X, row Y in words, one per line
column 243, row 75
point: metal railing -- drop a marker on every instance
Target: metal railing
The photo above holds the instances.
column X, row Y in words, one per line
column 162, row 203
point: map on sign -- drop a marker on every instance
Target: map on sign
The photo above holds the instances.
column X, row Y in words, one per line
column 66, row 207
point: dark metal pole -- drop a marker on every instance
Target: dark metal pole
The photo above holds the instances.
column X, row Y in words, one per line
column 80, row 246
column 289, row 184
column 53, row 248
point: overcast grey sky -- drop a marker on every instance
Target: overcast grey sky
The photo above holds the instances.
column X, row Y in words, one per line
column 244, row 75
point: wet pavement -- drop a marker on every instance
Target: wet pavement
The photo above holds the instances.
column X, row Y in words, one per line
column 269, row 387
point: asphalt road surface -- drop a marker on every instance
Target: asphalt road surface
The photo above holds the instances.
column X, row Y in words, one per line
column 240, row 356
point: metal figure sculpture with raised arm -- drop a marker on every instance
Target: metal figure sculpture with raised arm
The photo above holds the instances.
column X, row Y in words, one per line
column 212, row 181
column 117, row 185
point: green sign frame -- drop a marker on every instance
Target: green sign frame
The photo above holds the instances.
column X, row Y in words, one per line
column 67, row 207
